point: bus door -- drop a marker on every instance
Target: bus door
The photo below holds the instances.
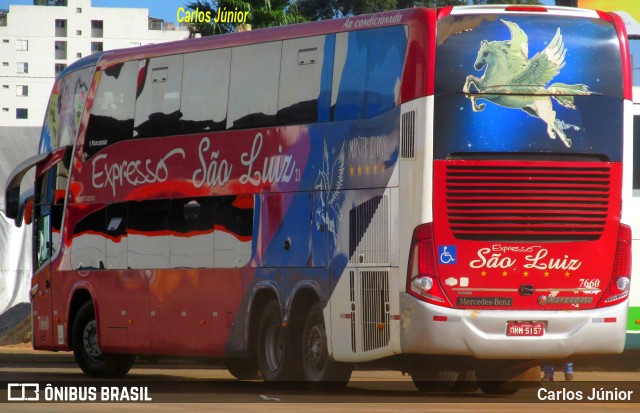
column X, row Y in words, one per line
column 48, row 206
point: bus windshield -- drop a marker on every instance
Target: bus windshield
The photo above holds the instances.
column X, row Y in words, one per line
column 64, row 111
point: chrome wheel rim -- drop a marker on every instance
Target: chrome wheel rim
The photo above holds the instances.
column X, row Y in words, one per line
column 315, row 351
column 90, row 340
column 274, row 346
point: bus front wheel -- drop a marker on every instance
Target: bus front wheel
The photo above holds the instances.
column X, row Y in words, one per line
column 90, row 358
column 319, row 369
column 242, row 369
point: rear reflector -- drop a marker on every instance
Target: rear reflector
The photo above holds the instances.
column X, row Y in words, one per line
column 604, row 320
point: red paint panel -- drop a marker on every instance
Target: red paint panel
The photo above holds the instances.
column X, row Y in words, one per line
column 419, row 67
column 625, row 54
column 233, row 162
column 513, row 226
column 42, row 323
column 218, row 294
column 125, row 298
column 172, row 298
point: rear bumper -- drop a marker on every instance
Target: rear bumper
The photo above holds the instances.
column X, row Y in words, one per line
column 482, row 334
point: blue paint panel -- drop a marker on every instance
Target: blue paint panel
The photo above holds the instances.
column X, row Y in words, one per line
column 348, row 144
column 385, row 61
column 592, row 58
column 324, row 100
column 371, row 73
column 285, row 230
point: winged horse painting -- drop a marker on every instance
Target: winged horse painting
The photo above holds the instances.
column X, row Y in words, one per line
column 329, row 181
column 514, row 81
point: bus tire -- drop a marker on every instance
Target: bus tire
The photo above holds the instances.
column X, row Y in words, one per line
column 274, row 352
column 92, row 361
column 242, row 369
column 428, row 380
column 496, row 388
column 321, row 372
column 466, row 383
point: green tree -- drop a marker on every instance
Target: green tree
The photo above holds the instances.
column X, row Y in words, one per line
column 262, row 13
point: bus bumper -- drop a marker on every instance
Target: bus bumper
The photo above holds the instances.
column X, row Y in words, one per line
column 429, row 329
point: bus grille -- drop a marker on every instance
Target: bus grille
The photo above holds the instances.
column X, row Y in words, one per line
column 534, row 202
column 375, row 310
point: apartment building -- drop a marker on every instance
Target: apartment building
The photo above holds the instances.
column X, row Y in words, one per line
column 37, row 42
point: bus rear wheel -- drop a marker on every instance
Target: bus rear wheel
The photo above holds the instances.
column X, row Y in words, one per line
column 90, row 358
column 274, row 351
column 428, row 380
column 319, row 369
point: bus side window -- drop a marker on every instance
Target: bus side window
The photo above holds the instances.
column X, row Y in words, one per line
column 253, row 92
column 42, row 214
column 58, row 197
column 147, row 232
column 88, row 241
column 205, row 91
column 192, row 227
column 367, row 72
column 306, row 63
column 112, row 112
column 157, row 111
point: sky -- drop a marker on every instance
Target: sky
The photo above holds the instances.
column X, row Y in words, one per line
column 163, row 9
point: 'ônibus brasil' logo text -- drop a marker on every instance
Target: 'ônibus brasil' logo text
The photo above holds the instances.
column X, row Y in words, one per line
column 212, row 169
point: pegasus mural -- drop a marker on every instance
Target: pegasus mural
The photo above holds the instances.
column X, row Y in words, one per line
column 512, row 80
column 329, row 181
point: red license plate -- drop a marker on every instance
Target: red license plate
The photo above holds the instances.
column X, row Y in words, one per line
column 525, row 329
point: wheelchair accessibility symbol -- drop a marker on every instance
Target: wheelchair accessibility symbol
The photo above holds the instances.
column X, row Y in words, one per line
column 447, row 254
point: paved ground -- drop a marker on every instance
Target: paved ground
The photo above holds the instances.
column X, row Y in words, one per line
column 186, row 384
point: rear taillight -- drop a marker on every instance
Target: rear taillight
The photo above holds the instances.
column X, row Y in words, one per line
column 618, row 289
column 422, row 278
column 528, row 9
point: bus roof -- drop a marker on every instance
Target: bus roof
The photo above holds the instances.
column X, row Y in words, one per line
column 407, row 16
column 90, row 60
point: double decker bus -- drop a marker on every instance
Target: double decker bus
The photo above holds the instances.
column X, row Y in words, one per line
column 438, row 190
column 631, row 194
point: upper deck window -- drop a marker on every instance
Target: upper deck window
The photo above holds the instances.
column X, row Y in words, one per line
column 113, row 107
column 205, row 91
column 255, row 78
column 157, row 111
column 367, row 72
column 305, row 80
